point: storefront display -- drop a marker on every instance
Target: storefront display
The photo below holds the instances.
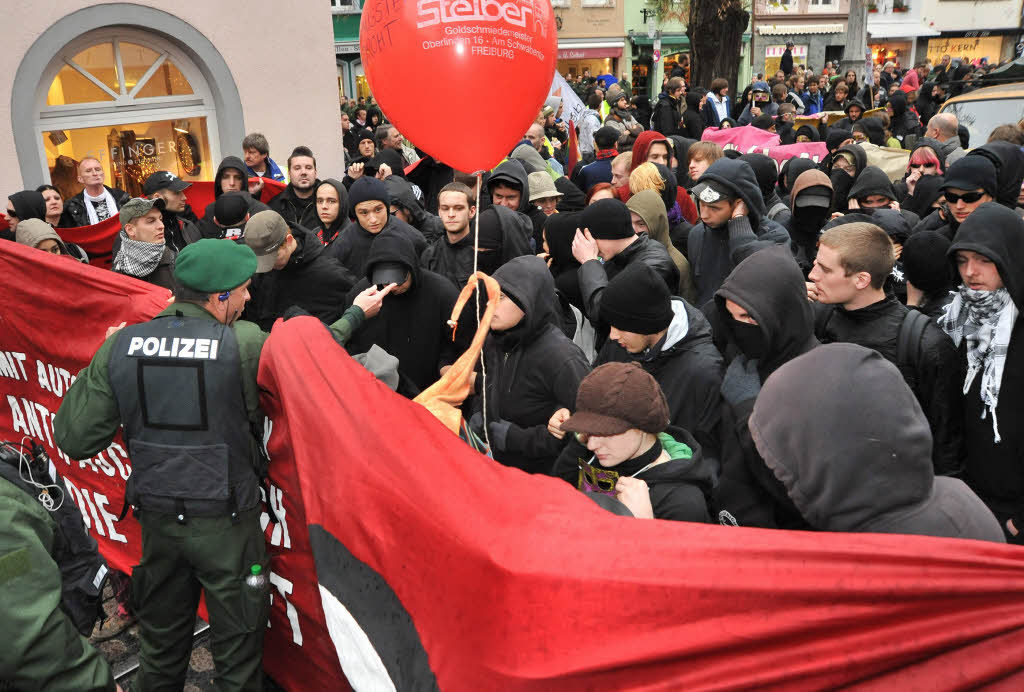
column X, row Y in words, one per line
column 773, row 57
column 974, row 49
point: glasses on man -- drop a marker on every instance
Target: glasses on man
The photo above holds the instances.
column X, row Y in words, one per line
column 967, row 197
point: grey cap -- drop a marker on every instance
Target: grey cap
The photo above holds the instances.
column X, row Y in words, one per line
column 265, row 232
column 31, row 232
column 138, row 207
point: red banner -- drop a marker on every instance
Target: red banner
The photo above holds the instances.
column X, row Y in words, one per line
column 98, row 239
column 410, row 557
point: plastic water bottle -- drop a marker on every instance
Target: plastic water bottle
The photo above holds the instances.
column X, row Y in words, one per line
column 256, row 580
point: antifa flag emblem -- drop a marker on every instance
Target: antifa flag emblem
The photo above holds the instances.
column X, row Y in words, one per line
column 377, row 644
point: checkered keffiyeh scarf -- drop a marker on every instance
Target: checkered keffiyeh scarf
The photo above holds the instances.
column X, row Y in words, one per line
column 985, row 319
column 137, row 258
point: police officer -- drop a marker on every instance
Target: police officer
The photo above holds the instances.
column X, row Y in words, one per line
column 184, row 387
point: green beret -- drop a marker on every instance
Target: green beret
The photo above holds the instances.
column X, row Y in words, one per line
column 214, row 265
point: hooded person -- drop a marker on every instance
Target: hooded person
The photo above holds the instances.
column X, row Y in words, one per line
column 903, row 121
column 572, row 198
column 857, row 106
column 680, row 148
column 811, row 202
column 789, row 172
column 27, row 204
column 502, row 237
column 605, row 244
column 559, row 231
column 807, row 133
column 851, row 159
column 532, row 369
column 532, row 161
column 872, row 128
column 239, row 181
column 693, row 119
column 1008, row 160
column 969, row 182
column 873, row 190
column 671, row 340
column 835, row 137
column 922, row 201
column 352, row 246
column 406, row 207
column 928, row 273
column 624, row 446
column 36, row 233
column 732, row 225
column 332, row 215
column 292, row 271
column 652, row 219
column 767, row 173
column 391, row 158
column 641, row 153
column 763, row 317
column 984, row 322
column 760, row 95
column 509, row 178
column 413, row 322
column 848, row 464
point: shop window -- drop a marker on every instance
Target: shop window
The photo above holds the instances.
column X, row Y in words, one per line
column 345, row 6
column 130, row 100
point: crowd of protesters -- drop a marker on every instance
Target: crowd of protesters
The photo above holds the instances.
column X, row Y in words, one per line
column 685, row 332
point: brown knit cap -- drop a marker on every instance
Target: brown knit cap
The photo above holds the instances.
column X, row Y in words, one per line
column 617, row 397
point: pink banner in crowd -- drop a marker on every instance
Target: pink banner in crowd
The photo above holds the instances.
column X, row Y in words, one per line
column 749, row 139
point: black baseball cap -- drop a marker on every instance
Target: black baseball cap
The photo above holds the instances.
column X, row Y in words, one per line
column 385, row 273
column 163, row 180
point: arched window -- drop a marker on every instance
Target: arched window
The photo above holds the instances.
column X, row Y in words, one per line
column 131, row 99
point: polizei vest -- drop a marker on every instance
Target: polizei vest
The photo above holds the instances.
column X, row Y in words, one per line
column 178, row 386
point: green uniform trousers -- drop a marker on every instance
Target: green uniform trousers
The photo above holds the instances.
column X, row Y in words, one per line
column 212, row 554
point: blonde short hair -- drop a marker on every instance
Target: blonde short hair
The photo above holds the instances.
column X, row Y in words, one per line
column 646, row 177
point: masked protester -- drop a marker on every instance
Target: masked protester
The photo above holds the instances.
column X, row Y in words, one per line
column 984, row 322
column 928, row 273
column 763, row 320
column 849, row 467
column 811, row 200
column 533, row 369
column 624, row 447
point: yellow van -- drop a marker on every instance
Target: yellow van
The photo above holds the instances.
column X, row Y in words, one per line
column 985, row 109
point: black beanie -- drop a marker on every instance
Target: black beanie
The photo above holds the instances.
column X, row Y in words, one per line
column 835, row 137
column 925, row 263
column 637, row 300
column 365, row 189
column 607, row 219
column 971, row 173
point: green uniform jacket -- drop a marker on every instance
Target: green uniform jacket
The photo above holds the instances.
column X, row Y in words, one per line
column 42, row 650
column 88, row 418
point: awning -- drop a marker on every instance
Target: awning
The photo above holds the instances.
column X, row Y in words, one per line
column 797, row 29
column 599, row 48
column 899, row 30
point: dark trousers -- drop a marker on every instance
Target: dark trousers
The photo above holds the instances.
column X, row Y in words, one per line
column 212, row 555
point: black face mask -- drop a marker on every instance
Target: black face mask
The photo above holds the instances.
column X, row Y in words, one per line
column 750, row 339
column 488, row 261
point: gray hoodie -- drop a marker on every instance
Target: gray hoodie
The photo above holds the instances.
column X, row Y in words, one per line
column 851, row 464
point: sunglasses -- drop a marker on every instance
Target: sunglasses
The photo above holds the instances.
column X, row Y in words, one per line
column 10, row 213
column 921, row 165
column 967, row 197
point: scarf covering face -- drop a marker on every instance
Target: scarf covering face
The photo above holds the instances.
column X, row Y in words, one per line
column 985, row 319
column 137, row 258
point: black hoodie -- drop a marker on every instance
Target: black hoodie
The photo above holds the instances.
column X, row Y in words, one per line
column 994, row 470
column 688, row 367
column 851, row 464
column 423, row 221
column 693, row 121
column 847, row 122
column 27, row 204
column 328, row 233
column 767, row 173
column 679, row 488
column 1009, row 162
column 512, row 173
column 352, row 245
column 411, row 326
column 455, row 261
column 255, row 206
column 770, row 287
column 903, row 122
column 533, row 369
column 713, row 252
column 873, row 128
column 311, row 280
column 874, row 181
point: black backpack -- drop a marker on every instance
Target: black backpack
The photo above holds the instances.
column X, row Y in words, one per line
column 83, row 571
column 908, row 345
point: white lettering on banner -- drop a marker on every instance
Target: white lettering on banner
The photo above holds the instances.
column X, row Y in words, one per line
column 53, row 379
column 284, row 587
column 12, row 365
column 87, row 504
column 279, row 536
column 196, row 349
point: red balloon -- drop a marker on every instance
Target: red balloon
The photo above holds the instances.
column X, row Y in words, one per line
column 462, row 79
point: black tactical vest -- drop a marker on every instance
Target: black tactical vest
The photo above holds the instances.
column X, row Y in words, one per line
column 83, row 571
column 178, row 386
